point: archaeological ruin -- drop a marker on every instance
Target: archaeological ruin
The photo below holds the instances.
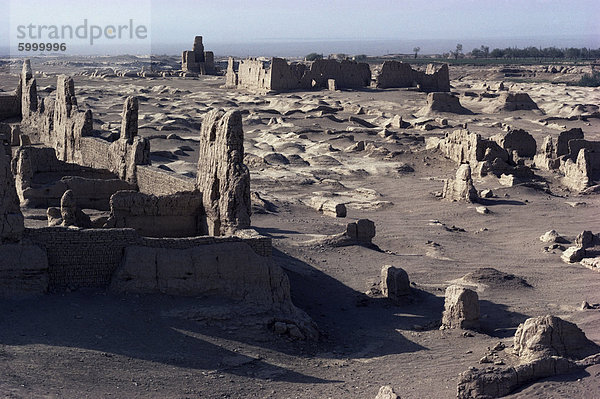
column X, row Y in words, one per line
column 278, row 75
column 151, row 220
column 399, row 74
column 197, row 60
column 252, row 234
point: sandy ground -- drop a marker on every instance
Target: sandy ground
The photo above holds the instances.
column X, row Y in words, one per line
column 88, row 344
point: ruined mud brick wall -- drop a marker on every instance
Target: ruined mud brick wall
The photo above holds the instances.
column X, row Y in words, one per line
column 70, row 123
column 81, row 258
column 94, row 153
column 399, row 74
column 11, row 218
column 123, row 155
column 593, row 153
column 395, row 74
column 434, row 78
column 252, row 74
column 347, row 74
column 576, row 158
column 227, row 270
column 60, row 124
column 151, row 180
column 35, row 169
column 88, row 258
column 231, row 77
column 463, row 146
column 10, row 106
column 278, row 75
column 118, row 157
column 173, row 215
column 287, row 77
column 261, row 245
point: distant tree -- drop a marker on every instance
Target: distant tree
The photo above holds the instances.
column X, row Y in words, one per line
column 360, row 57
column 573, row 53
column 533, row 52
column 553, row 52
column 458, row 51
column 477, row 53
column 416, row 51
column 497, row 53
column 313, row 57
column 485, row 50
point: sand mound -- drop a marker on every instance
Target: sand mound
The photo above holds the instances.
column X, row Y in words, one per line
column 443, row 103
column 494, row 278
column 512, row 102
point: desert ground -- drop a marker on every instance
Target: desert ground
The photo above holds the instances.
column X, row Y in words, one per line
column 300, row 145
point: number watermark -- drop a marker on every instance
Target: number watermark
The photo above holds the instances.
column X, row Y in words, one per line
column 93, row 28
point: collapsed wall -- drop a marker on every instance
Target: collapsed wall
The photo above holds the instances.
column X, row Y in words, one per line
column 222, row 186
column 11, row 218
column 278, row 75
column 399, row 74
column 497, row 156
column 577, row 159
column 70, row 123
column 197, row 60
column 36, row 168
column 61, row 125
column 23, row 266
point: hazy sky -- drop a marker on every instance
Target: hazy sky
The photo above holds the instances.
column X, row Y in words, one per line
column 229, row 24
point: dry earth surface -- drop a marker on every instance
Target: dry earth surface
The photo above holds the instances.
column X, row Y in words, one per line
column 89, row 344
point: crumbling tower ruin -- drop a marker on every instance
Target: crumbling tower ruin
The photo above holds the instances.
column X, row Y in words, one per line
column 198, row 60
column 223, row 178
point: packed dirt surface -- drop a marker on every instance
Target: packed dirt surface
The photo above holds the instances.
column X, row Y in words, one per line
column 341, row 145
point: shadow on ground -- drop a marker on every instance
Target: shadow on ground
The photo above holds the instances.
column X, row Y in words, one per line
column 354, row 324
column 134, row 326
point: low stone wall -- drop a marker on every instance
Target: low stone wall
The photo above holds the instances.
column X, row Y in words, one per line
column 88, row 258
column 151, row 180
column 173, row 215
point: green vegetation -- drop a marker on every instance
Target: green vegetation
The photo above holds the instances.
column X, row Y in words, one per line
column 313, row 57
column 548, row 53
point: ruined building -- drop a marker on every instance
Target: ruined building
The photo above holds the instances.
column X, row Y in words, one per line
column 279, row 75
column 575, row 158
column 198, row 61
column 400, row 74
column 500, row 154
column 155, row 232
